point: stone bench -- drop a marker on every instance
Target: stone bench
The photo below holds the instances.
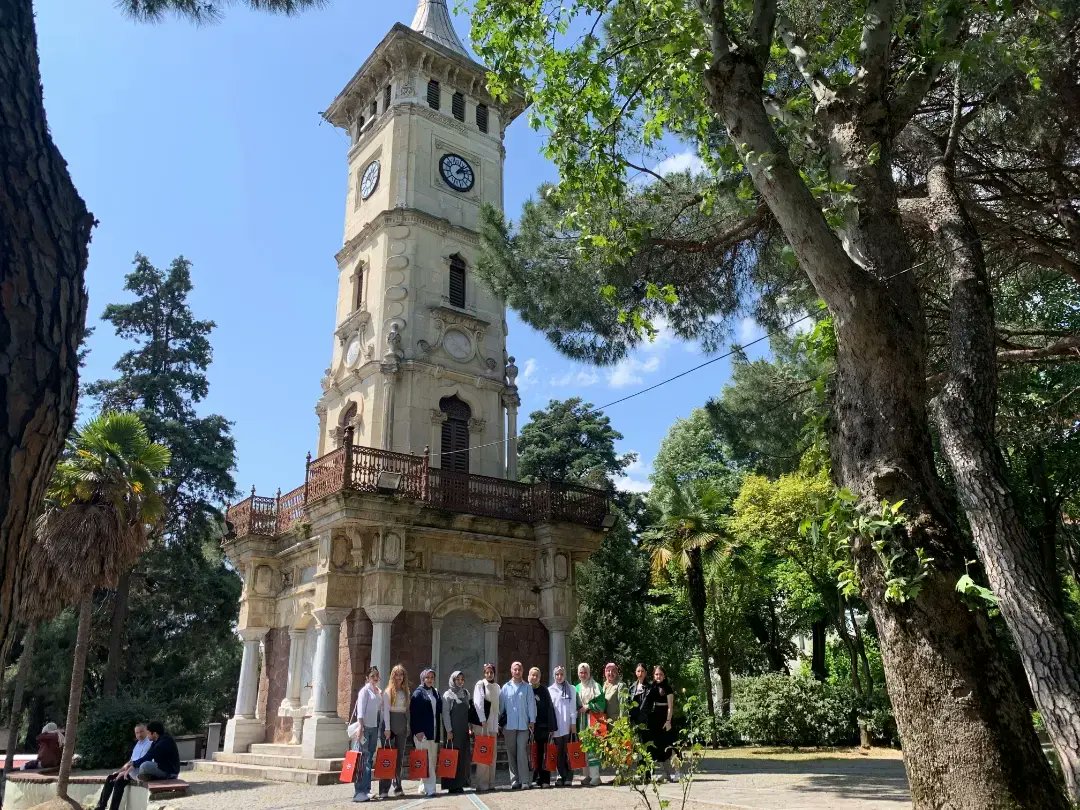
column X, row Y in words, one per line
column 29, row 788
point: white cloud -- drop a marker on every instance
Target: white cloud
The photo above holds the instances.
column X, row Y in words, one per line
column 633, row 485
column 582, row 378
column 629, row 371
column 680, row 162
column 637, row 475
column 528, row 373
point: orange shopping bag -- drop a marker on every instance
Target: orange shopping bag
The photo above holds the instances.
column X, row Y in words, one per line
column 385, row 763
column 551, row 758
column 598, row 722
column 351, row 767
column 532, row 756
column 448, row 760
column 575, row 755
column 483, row 751
column 418, row 764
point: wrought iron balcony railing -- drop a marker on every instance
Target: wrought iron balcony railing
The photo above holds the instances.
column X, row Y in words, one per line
column 352, row 468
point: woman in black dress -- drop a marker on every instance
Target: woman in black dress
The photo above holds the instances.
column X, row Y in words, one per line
column 638, row 689
column 545, row 727
column 659, row 709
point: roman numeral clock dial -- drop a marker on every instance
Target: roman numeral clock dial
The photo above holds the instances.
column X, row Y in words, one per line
column 456, row 172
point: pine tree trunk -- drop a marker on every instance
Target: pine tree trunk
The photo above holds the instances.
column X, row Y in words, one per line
column 968, row 738
column 78, row 675
column 817, row 651
column 696, row 588
column 111, row 679
column 25, row 662
column 723, row 666
column 1012, row 557
column 44, row 232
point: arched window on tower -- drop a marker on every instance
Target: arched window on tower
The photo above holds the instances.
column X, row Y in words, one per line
column 346, row 419
column 457, row 281
column 357, row 287
column 454, row 448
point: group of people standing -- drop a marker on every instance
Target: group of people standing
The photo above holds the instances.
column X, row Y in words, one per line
column 522, row 710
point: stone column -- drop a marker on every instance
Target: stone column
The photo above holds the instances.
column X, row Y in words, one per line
column 243, row 728
column 435, row 448
column 382, row 617
column 512, row 402
column 436, row 646
column 324, row 730
column 388, row 411
column 491, row 645
column 557, row 627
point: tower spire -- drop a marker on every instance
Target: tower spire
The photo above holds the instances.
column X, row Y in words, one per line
column 433, row 21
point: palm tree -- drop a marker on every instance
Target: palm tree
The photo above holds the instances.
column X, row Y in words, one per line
column 102, row 498
column 690, row 531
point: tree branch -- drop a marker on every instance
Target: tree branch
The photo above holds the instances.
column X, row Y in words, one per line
column 714, row 15
column 762, row 25
column 909, row 95
column 874, row 47
column 797, row 49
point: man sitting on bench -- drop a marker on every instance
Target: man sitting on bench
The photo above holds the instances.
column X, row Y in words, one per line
column 142, row 745
column 159, row 760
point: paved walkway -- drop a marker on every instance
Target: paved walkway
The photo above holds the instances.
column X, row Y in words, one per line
column 727, row 782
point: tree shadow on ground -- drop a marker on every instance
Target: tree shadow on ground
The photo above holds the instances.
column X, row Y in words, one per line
column 223, row 786
column 866, row 779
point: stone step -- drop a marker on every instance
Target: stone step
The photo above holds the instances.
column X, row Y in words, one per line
column 280, row 762
column 277, row 750
column 267, row 773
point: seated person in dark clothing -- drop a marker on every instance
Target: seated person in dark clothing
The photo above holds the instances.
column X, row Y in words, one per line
column 161, row 761
column 50, row 746
column 126, row 773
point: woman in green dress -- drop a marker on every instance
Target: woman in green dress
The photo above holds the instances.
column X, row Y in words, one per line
column 593, row 704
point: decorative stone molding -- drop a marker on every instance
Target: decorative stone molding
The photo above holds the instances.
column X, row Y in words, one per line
column 438, row 417
column 252, row 633
column 331, row 616
column 474, row 604
column 382, row 613
column 355, row 323
column 556, row 624
column 404, row 216
column 518, row 569
column 477, row 425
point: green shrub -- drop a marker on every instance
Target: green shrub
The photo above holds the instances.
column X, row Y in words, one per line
column 105, row 733
column 782, row 710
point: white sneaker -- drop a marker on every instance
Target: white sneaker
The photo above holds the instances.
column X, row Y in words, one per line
column 361, row 798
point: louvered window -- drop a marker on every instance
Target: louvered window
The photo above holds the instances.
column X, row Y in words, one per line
column 457, row 281
column 458, row 106
column 482, row 117
column 454, row 447
column 386, row 99
column 433, row 94
column 374, row 107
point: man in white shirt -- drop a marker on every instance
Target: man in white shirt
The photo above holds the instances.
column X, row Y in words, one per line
column 116, row 782
column 486, row 704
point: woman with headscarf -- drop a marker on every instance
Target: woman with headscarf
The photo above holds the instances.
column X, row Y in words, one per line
column 564, row 700
column 455, row 718
column 395, row 713
column 659, row 710
column 544, row 728
column 486, row 708
column 591, row 698
column 425, row 711
column 50, row 744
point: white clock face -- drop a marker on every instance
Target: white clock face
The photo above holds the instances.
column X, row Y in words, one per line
column 457, row 172
column 457, row 344
column 352, row 351
column 370, row 180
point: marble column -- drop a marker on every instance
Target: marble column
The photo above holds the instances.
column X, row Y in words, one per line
column 297, row 637
column 324, row 724
column 382, row 617
column 557, row 627
column 491, row 645
column 438, row 418
column 243, row 728
column 511, row 438
column 436, row 645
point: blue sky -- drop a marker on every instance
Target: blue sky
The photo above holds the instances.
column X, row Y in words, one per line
column 207, row 142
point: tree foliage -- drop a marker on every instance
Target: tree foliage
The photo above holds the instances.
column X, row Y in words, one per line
column 571, row 441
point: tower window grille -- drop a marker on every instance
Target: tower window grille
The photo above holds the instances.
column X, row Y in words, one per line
column 457, row 281
column 386, row 98
column 433, row 93
column 482, row 117
column 374, row 107
column 455, row 435
column 458, row 106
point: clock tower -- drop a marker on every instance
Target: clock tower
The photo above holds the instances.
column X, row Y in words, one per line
column 419, row 354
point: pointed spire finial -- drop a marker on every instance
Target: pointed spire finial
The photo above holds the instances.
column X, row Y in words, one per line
column 433, row 21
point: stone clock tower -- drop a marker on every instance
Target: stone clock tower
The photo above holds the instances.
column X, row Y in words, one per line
column 409, row 539
column 419, row 352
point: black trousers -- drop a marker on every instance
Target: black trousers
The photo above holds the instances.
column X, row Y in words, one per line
column 114, row 785
column 541, row 776
column 565, row 773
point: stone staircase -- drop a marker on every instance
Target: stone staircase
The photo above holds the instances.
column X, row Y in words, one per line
column 276, row 763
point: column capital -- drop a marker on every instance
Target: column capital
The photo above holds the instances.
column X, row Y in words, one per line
column 382, row 613
column 556, row 624
column 297, row 632
column 492, row 626
column 253, row 633
column 436, row 624
column 331, row 616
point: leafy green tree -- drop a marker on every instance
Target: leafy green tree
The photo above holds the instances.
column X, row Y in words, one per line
column 571, row 441
column 163, row 378
column 103, row 497
column 808, row 112
column 44, row 237
column 692, row 450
